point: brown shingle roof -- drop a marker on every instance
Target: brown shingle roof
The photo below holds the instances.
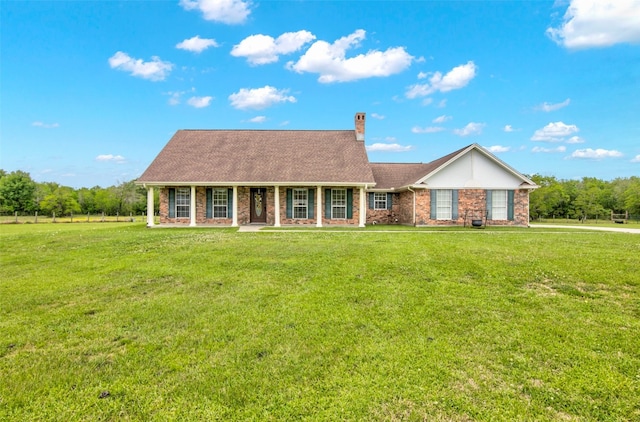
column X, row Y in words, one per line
column 261, row 156
column 397, row 175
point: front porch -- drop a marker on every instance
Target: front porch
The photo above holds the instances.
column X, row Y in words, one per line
column 276, row 206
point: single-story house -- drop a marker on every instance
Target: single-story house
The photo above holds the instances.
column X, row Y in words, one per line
column 322, row 178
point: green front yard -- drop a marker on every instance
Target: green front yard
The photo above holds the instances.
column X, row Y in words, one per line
column 120, row 322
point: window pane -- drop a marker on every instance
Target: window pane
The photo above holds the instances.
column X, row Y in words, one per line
column 338, row 203
column 380, row 201
column 443, row 207
column 183, row 201
column 499, row 205
column 300, row 202
column 220, row 198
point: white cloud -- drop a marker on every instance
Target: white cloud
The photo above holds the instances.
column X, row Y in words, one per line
column 456, row 78
column 442, row 103
column 110, row 158
column 575, row 140
column 636, row 159
column 561, row 148
column 508, row 128
column 262, row 49
column 329, row 60
column 259, row 98
column 175, row 97
column 154, row 70
column 497, row 148
column 197, row 44
column 199, row 102
column 431, row 129
column 596, row 154
column 258, row 119
column 377, row 116
column 442, row 119
column 553, row 107
column 388, row 147
column 224, row 11
column 598, row 23
column 470, row 129
column 45, row 125
column 554, row 132
column 422, row 75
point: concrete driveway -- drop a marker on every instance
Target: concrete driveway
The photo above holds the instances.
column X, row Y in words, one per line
column 603, row 229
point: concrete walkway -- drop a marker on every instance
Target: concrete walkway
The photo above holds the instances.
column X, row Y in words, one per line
column 249, row 228
column 603, row 229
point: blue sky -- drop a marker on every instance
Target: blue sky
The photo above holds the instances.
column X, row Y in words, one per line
column 91, row 91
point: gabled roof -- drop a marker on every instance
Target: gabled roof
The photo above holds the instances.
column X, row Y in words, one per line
column 397, row 176
column 400, row 175
column 449, row 159
column 261, row 156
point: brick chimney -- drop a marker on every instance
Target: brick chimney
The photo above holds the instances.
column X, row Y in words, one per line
column 360, row 126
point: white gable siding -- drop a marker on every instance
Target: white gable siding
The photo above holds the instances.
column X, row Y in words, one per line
column 473, row 170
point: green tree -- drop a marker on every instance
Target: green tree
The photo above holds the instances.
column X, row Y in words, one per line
column 592, row 198
column 17, row 192
column 87, row 200
column 550, row 199
column 61, row 201
column 632, row 196
column 106, row 201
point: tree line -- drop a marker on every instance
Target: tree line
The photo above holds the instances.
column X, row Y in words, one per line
column 576, row 199
column 585, row 198
column 20, row 193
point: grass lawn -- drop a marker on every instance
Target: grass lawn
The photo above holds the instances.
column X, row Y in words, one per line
column 120, row 322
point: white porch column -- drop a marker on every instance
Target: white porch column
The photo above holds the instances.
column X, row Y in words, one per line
column 192, row 207
column 234, row 219
column 150, row 207
column 319, row 206
column 363, row 208
column 276, row 198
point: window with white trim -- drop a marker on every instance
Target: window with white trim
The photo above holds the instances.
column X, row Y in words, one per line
column 183, row 202
column 338, row 203
column 499, row 205
column 380, row 201
column 444, row 201
column 220, row 201
column 300, row 203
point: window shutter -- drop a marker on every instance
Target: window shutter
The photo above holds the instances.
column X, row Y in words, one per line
column 389, row 201
column 310, row 202
column 327, row 203
column 510, row 205
column 489, row 204
column 434, row 203
column 371, row 200
column 289, row 203
column 209, row 203
column 229, row 203
column 454, row 204
column 172, row 203
column 349, row 203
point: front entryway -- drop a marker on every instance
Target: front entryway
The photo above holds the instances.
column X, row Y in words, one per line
column 258, row 205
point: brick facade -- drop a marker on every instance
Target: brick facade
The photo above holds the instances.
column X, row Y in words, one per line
column 386, row 216
column 471, row 205
column 243, row 208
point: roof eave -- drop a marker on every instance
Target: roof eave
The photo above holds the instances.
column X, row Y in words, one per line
column 270, row 183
